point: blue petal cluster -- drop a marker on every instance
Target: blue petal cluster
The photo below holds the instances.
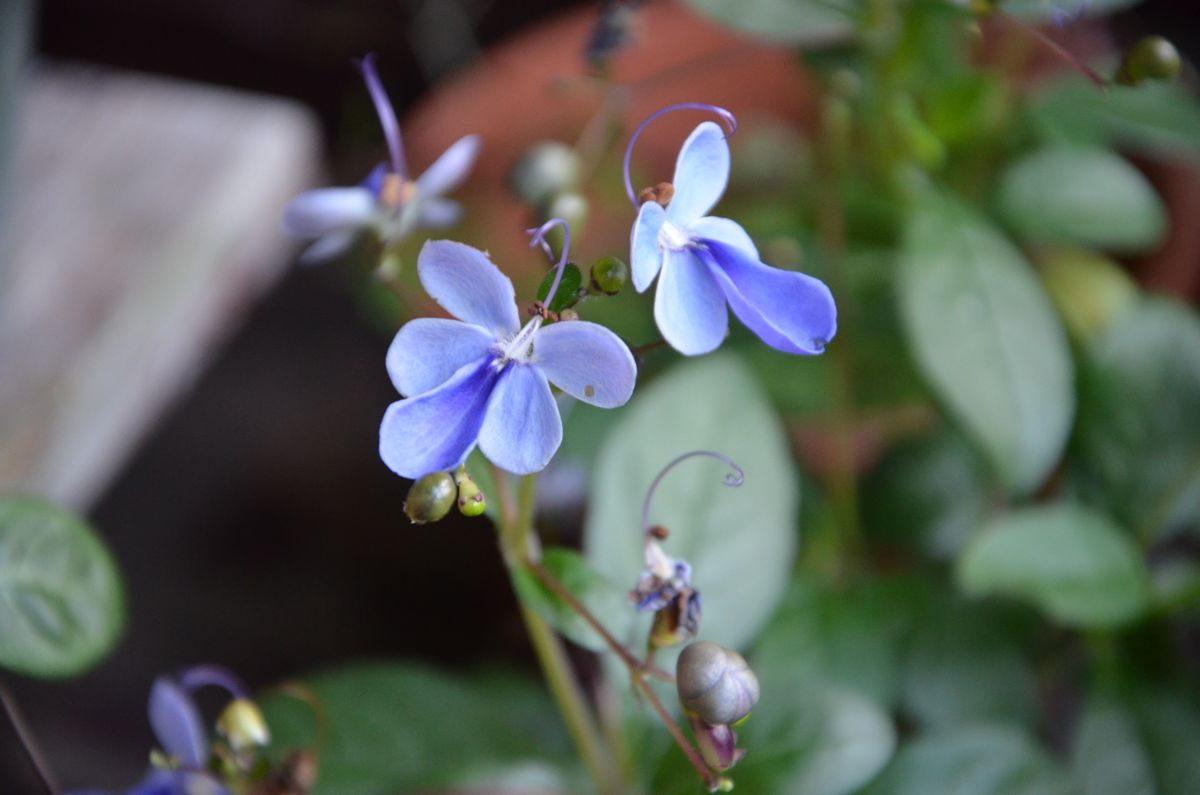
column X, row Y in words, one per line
column 387, row 201
column 706, row 264
column 484, row 378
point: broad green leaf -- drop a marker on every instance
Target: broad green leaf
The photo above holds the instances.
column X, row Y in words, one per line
column 603, row 599
column 930, row 493
column 987, row 339
column 568, row 289
column 800, row 22
column 974, row 760
column 1170, row 725
column 1155, row 117
column 394, row 726
column 62, row 604
column 1068, row 560
column 1137, row 446
column 1081, row 195
column 740, row 541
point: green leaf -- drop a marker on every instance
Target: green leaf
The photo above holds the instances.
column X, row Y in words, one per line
column 987, row 339
column 800, row 22
column 395, row 726
column 62, row 604
column 929, row 492
column 602, row 598
column 1137, row 447
column 1068, row 560
column 568, row 289
column 974, row 760
column 740, row 541
column 1151, row 118
column 1081, row 195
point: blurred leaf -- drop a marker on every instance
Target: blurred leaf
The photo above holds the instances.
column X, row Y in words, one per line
column 394, row 726
column 1147, row 744
column 568, row 289
column 740, row 541
column 605, row 600
column 1081, row 195
column 63, row 605
column 1154, row 117
column 965, row 666
column 975, row 760
column 987, row 339
column 800, row 22
column 1137, row 446
column 1069, row 560
column 929, row 492
column 1089, row 290
column 966, row 107
column 829, row 742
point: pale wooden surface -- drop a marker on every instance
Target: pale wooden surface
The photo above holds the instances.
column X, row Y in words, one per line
column 144, row 224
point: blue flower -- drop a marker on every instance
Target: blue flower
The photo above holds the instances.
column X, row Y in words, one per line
column 708, row 263
column 485, row 378
column 387, row 201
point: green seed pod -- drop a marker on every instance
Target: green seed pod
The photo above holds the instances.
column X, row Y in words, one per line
column 243, row 725
column 715, row 684
column 1152, row 58
column 547, row 169
column 430, row 498
column 609, row 275
column 471, row 500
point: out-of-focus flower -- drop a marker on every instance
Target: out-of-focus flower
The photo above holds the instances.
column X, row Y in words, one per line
column 387, row 201
column 708, row 263
column 484, row 378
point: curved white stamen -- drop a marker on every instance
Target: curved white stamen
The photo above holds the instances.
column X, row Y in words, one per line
column 673, row 238
column 537, row 236
column 735, row 477
column 519, row 347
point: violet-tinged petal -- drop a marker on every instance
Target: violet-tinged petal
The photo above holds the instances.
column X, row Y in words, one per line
column 328, row 246
column 689, row 306
column 386, row 113
column 178, row 782
column 316, row 212
column 701, row 174
column 435, row 431
column 437, row 213
column 374, row 181
column 587, row 361
column 522, row 430
column 428, row 351
column 790, row 311
column 645, row 255
column 725, row 231
column 177, row 723
column 469, row 286
column 451, row 168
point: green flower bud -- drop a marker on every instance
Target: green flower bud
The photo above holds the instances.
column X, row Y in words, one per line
column 1152, row 58
column 471, row 499
column 715, row 684
column 243, row 725
column 430, row 498
column 547, row 169
column 609, row 275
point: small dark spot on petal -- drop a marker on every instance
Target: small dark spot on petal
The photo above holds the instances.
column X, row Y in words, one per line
column 589, row 391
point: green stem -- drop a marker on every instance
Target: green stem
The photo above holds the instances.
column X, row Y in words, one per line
column 517, row 546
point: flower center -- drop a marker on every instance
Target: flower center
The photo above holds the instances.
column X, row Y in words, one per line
column 396, row 191
column 519, row 347
column 673, row 238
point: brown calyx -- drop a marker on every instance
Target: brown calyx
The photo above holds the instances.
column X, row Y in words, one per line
column 662, row 193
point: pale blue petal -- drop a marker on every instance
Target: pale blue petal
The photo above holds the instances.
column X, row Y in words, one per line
column 469, row 286
column 790, row 311
column 328, row 246
column 177, row 723
column 689, row 306
column 522, row 430
column 315, row 212
column 645, row 255
column 435, row 431
column 449, row 170
column 436, row 212
column 587, row 361
column 701, row 174
column 374, row 181
column 427, row 351
column 725, row 231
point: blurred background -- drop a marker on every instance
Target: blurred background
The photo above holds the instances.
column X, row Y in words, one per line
column 248, row 471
